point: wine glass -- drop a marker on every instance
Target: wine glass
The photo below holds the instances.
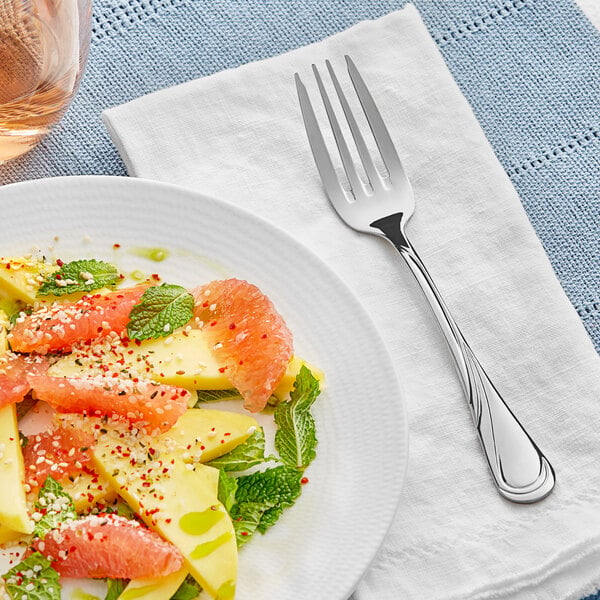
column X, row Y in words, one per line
column 43, row 50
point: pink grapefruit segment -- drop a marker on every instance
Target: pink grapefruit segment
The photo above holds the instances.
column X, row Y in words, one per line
column 251, row 339
column 13, row 376
column 61, row 452
column 108, row 546
column 57, row 327
column 147, row 404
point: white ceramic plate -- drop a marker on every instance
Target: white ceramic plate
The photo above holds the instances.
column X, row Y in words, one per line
column 322, row 546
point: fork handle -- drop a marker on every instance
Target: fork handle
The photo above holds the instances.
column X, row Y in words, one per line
column 519, row 469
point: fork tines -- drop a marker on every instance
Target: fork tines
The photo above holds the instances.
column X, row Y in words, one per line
column 378, row 128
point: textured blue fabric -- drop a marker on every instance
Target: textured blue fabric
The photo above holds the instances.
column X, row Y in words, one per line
column 529, row 68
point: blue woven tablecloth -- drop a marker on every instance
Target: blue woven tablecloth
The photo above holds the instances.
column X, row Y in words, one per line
column 529, row 68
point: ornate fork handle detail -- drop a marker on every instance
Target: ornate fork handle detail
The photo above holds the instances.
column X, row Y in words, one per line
column 519, row 469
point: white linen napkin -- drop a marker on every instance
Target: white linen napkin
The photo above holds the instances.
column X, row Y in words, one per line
column 238, row 135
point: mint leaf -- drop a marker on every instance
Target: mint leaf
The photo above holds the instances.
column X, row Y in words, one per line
column 115, row 588
column 226, row 491
column 246, row 455
column 296, row 439
column 246, row 519
column 54, row 505
column 213, row 395
column 188, row 590
column 233, row 394
column 278, row 487
column 161, row 309
column 33, row 578
column 79, row 276
column 124, row 510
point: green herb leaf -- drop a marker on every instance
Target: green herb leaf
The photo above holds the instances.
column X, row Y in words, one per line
column 124, row 510
column 23, row 439
column 79, row 276
column 244, row 456
column 296, row 439
column 246, row 519
column 34, row 571
column 213, row 395
column 55, row 505
column 227, row 490
column 115, row 588
column 161, row 309
column 188, row 590
column 278, row 487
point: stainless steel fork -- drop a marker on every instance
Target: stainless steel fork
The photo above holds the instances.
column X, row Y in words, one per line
column 519, row 469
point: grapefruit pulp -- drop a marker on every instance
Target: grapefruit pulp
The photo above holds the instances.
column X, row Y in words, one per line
column 13, row 376
column 249, row 337
column 61, row 452
column 57, row 327
column 108, row 545
column 146, row 403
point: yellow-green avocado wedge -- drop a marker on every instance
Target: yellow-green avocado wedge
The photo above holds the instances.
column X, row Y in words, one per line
column 20, row 278
column 155, row 588
column 14, row 517
column 202, row 434
column 184, row 359
column 179, row 501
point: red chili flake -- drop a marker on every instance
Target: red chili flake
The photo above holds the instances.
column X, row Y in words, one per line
column 138, row 342
column 244, row 533
column 227, row 434
column 232, row 326
column 241, row 362
column 156, row 276
column 304, row 480
column 264, row 336
column 168, row 520
column 115, row 246
column 213, row 323
column 205, row 304
column 59, row 262
column 222, row 369
column 8, row 265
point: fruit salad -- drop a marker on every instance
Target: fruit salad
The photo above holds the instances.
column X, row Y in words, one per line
column 114, row 464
